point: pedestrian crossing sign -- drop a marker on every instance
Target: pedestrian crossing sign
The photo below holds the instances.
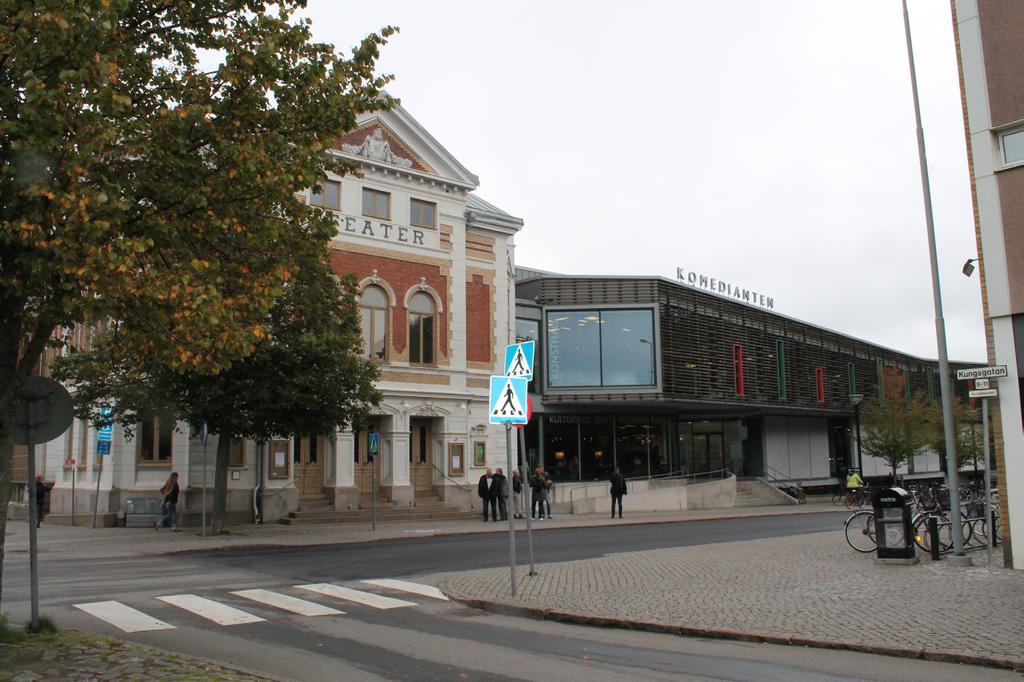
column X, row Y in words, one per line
column 519, row 359
column 508, row 400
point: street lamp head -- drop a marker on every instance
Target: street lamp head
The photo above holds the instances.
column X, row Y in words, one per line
column 856, row 398
column 968, row 268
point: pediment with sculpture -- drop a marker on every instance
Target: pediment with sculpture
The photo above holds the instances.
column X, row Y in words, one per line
column 375, row 142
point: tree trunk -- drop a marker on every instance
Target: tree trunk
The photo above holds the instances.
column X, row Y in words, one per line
column 220, row 483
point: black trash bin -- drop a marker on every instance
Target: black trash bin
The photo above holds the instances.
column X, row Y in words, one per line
column 893, row 524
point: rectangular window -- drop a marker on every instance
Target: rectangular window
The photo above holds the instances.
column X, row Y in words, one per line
column 423, row 445
column 737, row 370
column 155, row 437
column 236, row 453
column 278, row 459
column 601, row 348
column 376, row 204
column 1012, row 144
column 328, row 195
column 422, row 213
column 819, row 376
column 780, row 366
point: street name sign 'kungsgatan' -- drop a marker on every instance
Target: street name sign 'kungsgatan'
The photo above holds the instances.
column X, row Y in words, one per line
column 982, row 372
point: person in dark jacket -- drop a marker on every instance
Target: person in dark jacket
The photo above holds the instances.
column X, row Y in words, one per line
column 487, row 489
column 170, row 503
column 501, row 490
column 517, row 494
column 618, row 490
column 42, row 490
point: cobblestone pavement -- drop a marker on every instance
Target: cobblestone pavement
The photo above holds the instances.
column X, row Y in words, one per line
column 810, row 589
column 75, row 657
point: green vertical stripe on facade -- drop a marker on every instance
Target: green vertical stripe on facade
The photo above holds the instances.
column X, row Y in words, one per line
column 780, row 364
column 881, row 381
column 907, row 391
column 851, row 371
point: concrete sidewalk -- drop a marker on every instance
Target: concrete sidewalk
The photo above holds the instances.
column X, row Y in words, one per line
column 85, row 542
column 809, row 590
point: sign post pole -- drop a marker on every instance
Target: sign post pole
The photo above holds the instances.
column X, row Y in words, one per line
column 33, row 519
column 46, row 414
column 203, row 433
column 509, row 507
column 989, row 516
column 74, row 476
column 104, row 435
column 527, row 498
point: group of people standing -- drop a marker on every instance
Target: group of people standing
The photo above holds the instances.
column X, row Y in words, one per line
column 493, row 490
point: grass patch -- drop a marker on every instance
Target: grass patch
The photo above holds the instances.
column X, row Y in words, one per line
column 9, row 635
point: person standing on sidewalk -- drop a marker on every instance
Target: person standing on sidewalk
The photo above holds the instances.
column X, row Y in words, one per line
column 537, row 484
column 517, row 494
column 487, row 490
column 170, row 504
column 501, row 490
column 42, row 490
column 618, row 490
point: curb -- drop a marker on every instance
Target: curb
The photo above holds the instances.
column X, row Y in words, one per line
column 508, row 608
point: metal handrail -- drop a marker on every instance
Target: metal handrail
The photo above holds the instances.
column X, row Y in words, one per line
column 464, row 486
column 778, row 482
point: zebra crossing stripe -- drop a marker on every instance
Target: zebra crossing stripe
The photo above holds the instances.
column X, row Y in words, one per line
column 406, row 586
column 123, row 617
column 221, row 614
column 289, row 603
column 377, row 601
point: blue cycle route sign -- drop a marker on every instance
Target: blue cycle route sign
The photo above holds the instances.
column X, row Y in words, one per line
column 105, row 433
column 372, row 445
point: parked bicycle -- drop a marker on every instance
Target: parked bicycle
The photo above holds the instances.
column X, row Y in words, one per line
column 860, row 531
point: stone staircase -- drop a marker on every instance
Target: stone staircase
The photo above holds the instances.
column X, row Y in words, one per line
column 753, row 492
column 429, row 507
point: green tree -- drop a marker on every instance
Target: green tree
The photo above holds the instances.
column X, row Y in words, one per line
column 966, row 430
column 306, row 376
column 893, row 429
column 139, row 186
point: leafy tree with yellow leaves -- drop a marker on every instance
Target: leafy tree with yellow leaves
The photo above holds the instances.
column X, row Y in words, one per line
column 140, row 185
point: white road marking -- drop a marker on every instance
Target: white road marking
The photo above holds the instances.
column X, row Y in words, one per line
column 365, row 598
column 289, row 603
column 124, row 617
column 406, row 586
column 221, row 614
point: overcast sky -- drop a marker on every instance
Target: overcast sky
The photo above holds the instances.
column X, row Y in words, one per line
column 769, row 144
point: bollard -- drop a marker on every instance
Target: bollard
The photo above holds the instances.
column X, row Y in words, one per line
column 933, row 535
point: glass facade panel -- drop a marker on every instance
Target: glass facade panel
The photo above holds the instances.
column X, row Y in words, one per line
column 632, row 455
column 592, row 348
column 574, row 348
column 328, row 196
column 414, row 338
column 627, row 348
column 561, row 447
column 663, row 460
column 597, row 445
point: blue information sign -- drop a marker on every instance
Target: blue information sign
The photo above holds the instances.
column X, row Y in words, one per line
column 105, row 433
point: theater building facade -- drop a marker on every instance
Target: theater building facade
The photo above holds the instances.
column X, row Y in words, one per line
column 436, row 296
column 663, row 378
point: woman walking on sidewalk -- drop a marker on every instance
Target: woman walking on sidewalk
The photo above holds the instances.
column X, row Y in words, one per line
column 170, row 504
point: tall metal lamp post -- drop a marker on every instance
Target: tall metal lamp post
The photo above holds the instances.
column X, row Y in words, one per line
column 857, row 399
column 940, row 324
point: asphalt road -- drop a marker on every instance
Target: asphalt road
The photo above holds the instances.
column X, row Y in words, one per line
column 427, row 555
column 431, row 639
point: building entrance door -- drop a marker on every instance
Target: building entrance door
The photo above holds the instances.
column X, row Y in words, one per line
column 307, row 456
column 707, row 452
column 367, row 471
column 421, row 453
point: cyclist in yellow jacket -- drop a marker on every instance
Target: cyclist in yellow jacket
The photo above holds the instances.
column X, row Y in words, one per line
column 854, row 485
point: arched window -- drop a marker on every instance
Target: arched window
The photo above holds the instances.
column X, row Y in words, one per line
column 373, row 312
column 421, row 329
